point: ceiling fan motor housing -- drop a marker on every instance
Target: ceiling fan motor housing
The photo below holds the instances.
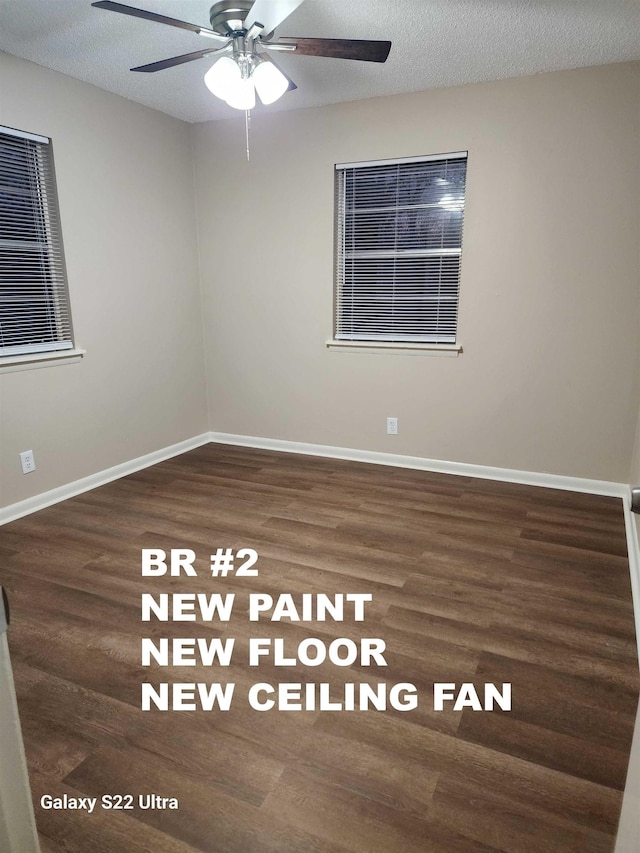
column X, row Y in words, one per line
column 228, row 16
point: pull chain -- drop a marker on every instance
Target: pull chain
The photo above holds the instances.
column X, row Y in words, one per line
column 247, row 119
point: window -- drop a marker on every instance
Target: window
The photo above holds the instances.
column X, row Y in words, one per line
column 34, row 302
column 398, row 247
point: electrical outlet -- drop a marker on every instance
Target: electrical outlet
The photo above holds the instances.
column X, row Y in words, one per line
column 27, row 461
column 392, row 426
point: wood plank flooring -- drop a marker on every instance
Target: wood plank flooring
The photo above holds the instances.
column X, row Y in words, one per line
column 471, row 581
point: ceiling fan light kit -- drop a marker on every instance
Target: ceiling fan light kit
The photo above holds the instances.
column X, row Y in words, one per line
column 236, row 81
column 222, row 77
column 244, row 31
column 269, row 81
column 242, row 96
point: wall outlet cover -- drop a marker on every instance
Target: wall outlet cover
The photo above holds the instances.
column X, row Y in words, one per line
column 27, row 461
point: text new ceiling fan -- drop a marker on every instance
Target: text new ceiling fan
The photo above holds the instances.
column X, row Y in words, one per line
column 245, row 32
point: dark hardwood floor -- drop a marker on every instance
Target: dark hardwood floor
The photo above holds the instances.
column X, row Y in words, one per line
column 471, row 581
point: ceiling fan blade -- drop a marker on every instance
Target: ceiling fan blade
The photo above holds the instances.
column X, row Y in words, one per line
column 363, row 49
column 177, row 60
column 270, row 13
column 159, row 19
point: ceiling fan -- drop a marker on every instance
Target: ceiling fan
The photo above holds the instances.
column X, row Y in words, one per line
column 244, row 31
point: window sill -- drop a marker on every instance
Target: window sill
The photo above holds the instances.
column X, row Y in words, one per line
column 442, row 350
column 12, row 363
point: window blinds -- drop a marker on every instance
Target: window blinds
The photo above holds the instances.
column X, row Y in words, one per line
column 34, row 303
column 399, row 241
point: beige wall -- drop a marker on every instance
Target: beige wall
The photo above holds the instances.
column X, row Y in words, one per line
column 549, row 309
column 125, row 184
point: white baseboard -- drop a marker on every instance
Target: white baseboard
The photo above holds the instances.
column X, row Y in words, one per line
column 632, row 524
column 485, row 472
column 54, row 496
column 629, row 825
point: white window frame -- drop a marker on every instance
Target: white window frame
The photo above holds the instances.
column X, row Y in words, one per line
column 372, row 280
column 41, row 333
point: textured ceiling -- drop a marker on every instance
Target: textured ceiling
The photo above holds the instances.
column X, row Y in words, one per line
column 435, row 43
